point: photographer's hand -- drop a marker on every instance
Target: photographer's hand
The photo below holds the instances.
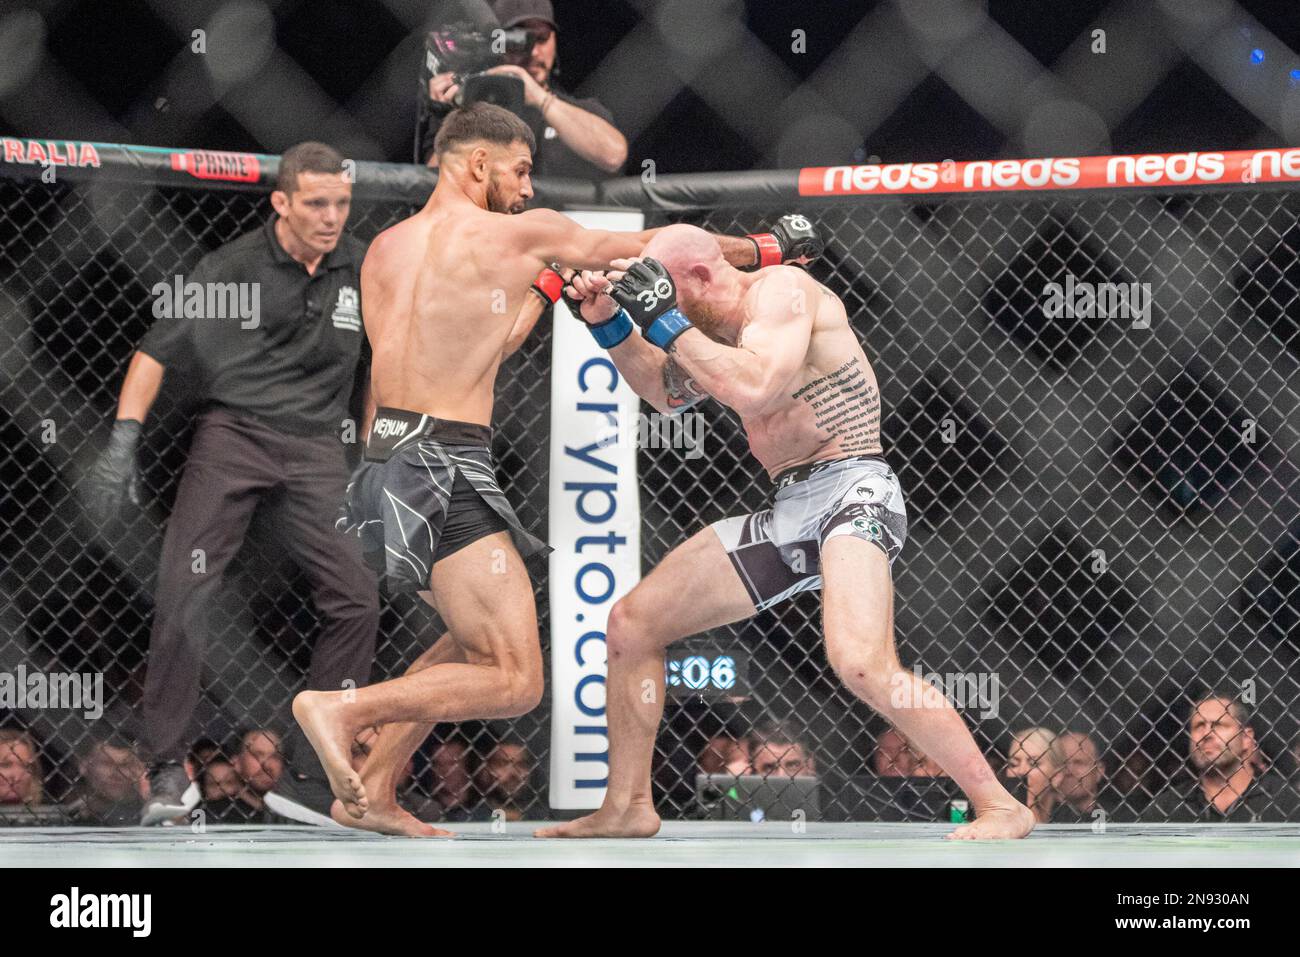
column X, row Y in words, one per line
column 443, row 87
column 590, row 136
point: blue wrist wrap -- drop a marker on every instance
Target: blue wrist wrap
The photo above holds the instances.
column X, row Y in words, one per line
column 667, row 327
column 611, row 332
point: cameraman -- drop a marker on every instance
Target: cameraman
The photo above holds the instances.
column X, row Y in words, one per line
column 575, row 138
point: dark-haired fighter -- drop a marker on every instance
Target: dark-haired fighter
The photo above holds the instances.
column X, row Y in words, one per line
column 442, row 291
column 777, row 348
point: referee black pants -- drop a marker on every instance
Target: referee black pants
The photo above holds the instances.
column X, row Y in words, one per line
column 233, row 463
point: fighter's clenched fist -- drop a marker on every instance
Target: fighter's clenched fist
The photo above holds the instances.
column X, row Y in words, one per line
column 585, row 295
column 647, row 293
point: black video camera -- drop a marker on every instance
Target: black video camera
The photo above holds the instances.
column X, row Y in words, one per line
column 468, row 53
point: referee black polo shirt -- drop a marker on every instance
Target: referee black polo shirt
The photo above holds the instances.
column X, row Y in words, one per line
column 294, row 367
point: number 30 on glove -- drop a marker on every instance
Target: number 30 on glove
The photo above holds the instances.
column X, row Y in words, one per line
column 647, row 293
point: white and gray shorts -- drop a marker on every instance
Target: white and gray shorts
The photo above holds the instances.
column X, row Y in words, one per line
column 777, row 552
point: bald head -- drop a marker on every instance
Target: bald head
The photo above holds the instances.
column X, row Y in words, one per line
column 682, row 248
column 706, row 283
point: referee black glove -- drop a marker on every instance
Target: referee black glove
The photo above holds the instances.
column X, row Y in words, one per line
column 115, row 473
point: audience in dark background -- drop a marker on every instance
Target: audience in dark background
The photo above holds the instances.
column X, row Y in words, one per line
column 725, row 753
column 504, row 780
column 1031, row 765
column 260, row 763
column 778, row 750
column 20, row 769
column 221, row 782
column 1080, row 773
column 452, row 785
column 473, row 774
column 896, row 757
column 111, row 785
column 1228, row 780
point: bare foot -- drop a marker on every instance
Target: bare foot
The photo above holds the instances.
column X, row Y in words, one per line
column 389, row 819
column 321, row 722
column 999, row 823
column 637, row 821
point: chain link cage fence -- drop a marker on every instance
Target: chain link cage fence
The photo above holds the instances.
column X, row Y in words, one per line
column 1103, row 510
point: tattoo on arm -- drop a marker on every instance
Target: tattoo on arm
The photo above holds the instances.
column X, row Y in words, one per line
column 682, row 391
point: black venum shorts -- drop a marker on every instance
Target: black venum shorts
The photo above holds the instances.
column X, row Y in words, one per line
column 426, row 489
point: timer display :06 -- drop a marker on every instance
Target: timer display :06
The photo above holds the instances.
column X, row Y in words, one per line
column 698, row 672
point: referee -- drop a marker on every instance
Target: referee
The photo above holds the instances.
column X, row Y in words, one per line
column 275, row 371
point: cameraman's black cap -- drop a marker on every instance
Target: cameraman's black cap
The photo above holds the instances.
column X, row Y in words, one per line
column 513, row 12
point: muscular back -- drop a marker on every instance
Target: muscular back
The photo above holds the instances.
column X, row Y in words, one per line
column 441, row 291
column 830, row 407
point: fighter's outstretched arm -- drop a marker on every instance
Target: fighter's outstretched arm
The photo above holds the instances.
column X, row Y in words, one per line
column 555, row 238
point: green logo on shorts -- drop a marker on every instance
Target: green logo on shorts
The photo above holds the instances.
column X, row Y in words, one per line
column 870, row 528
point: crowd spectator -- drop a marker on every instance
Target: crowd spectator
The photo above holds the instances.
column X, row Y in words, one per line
column 1064, row 778
column 202, row 753
column 896, row 757
column 575, row 137
column 223, row 791
column 1128, row 769
column 1031, row 766
column 234, row 791
column 725, row 753
column 111, row 787
column 260, row 763
column 220, row 781
column 1226, row 783
column 21, row 780
column 452, row 791
column 778, row 750
column 505, row 782
column 1078, row 780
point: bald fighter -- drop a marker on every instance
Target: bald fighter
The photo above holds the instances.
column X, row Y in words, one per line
column 776, row 347
column 447, row 298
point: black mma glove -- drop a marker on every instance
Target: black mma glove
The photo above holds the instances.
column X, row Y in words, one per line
column 647, row 293
column 792, row 238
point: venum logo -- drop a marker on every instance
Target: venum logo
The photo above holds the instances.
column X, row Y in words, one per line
column 389, row 428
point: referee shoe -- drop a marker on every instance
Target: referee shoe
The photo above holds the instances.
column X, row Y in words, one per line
column 302, row 798
column 171, row 794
